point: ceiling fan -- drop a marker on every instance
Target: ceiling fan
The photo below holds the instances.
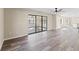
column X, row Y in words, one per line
column 58, row 10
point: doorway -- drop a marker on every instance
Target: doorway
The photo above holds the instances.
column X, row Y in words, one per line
column 37, row 23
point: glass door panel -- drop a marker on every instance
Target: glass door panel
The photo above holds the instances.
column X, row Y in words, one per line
column 38, row 22
column 31, row 24
column 44, row 23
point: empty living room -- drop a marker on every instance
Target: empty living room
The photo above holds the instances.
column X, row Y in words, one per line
column 39, row 29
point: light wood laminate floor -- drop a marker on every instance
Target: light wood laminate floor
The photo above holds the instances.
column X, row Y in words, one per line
column 65, row 39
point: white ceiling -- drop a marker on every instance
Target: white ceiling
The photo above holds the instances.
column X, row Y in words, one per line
column 71, row 12
column 65, row 11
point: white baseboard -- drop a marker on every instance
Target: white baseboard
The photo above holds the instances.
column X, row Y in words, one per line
column 14, row 37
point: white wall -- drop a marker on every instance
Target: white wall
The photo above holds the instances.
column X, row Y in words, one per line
column 16, row 22
column 53, row 22
column 75, row 20
column 70, row 21
column 1, row 27
column 58, row 18
column 66, row 21
column 58, row 21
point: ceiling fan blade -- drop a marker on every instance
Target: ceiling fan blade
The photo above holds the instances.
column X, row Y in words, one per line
column 60, row 10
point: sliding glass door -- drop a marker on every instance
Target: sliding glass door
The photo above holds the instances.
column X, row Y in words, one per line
column 44, row 23
column 31, row 27
column 37, row 24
